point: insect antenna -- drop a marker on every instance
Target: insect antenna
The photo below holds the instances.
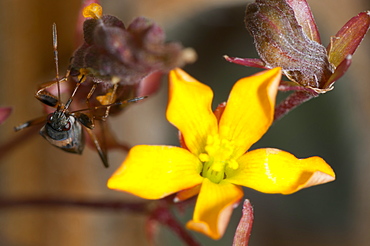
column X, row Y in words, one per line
column 73, row 93
column 56, row 60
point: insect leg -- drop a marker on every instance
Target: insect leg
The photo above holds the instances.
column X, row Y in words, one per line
column 36, row 121
column 100, row 147
column 111, row 100
column 46, row 97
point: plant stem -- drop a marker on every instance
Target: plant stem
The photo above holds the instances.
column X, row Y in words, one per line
column 291, row 102
column 164, row 216
column 139, row 207
column 158, row 211
column 19, row 138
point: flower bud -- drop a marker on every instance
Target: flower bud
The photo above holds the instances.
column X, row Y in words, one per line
column 286, row 36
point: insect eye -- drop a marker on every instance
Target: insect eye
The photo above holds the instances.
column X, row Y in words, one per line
column 67, row 126
column 49, row 118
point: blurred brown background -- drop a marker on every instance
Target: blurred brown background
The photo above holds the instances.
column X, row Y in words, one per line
column 334, row 126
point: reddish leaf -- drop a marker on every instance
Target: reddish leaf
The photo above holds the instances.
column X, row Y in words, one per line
column 219, row 110
column 339, row 71
column 150, row 84
column 249, row 62
column 4, row 113
column 349, row 37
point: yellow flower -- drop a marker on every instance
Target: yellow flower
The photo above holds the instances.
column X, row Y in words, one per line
column 213, row 160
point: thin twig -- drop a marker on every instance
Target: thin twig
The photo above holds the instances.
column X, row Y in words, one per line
column 291, row 102
column 159, row 211
column 17, row 140
column 138, row 207
column 164, row 216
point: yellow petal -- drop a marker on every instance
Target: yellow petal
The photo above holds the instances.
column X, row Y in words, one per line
column 153, row 172
column 276, row 171
column 189, row 109
column 214, row 207
column 250, row 108
column 188, row 193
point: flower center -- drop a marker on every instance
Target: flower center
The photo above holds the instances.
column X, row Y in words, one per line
column 217, row 156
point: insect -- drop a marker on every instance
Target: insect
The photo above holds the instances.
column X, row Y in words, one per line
column 63, row 128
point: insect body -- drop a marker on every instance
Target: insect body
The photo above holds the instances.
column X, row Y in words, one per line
column 63, row 131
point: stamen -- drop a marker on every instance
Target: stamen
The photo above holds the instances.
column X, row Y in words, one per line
column 204, row 157
column 218, row 155
column 94, row 10
column 233, row 164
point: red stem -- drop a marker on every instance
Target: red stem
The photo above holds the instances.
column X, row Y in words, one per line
column 158, row 211
column 17, row 140
column 291, row 102
column 163, row 215
column 139, row 207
